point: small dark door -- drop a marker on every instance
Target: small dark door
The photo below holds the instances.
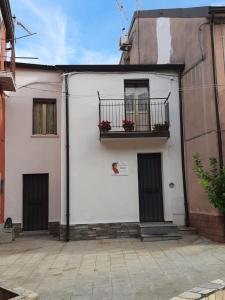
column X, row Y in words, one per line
column 35, row 202
column 150, row 187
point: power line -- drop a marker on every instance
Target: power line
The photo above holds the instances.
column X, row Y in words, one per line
column 190, row 88
column 18, row 38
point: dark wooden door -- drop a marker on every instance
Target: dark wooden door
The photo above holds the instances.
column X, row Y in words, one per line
column 150, row 187
column 35, row 202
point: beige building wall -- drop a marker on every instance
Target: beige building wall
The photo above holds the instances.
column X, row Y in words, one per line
column 219, row 37
column 27, row 153
column 188, row 41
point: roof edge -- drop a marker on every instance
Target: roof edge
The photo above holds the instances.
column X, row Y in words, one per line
column 35, row 66
column 103, row 68
column 187, row 12
column 121, row 68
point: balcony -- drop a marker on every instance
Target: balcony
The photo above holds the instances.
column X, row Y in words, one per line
column 134, row 118
column 7, row 82
column 7, row 68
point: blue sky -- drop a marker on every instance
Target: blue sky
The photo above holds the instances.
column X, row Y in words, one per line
column 79, row 31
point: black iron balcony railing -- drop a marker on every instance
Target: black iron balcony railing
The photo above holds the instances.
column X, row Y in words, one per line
column 131, row 117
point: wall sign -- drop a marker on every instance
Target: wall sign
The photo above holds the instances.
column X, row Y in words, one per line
column 119, row 168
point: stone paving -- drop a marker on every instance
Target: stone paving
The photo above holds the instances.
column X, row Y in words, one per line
column 110, row 269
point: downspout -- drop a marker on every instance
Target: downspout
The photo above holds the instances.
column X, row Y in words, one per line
column 187, row 222
column 218, row 127
column 139, row 50
column 67, row 162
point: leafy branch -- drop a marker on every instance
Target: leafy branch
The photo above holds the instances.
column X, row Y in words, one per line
column 212, row 180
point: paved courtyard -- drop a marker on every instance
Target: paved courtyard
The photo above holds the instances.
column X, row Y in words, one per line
column 110, row 269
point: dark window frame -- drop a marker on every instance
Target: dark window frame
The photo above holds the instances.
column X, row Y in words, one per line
column 140, row 82
column 45, row 101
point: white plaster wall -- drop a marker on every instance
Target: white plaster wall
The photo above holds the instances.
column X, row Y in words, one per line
column 163, row 40
column 95, row 195
column 27, row 154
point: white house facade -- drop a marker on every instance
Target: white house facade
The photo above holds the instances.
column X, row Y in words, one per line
column 33, row 125
column 128, row 170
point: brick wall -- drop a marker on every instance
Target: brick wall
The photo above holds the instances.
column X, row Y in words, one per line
column 209, row 226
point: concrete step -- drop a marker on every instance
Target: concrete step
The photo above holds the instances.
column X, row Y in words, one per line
column 7, row 235
column 161, row 228
column 184, row 230
column 165, row 237
column 34, row 233
column 160, row 231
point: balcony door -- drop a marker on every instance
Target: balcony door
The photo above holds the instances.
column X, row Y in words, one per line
column 137, row 107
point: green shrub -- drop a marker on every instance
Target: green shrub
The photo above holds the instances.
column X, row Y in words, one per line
column 213, row 181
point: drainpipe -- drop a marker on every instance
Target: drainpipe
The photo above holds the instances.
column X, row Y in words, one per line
column 187, row 222
column 218, row 127
column 67, row 162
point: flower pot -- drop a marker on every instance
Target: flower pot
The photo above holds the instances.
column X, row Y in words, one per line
column 161, row 128
column 104, row 130
column 104, row 126
column 128, row 129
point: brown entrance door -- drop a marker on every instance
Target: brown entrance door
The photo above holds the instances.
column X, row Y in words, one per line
column 35, row 201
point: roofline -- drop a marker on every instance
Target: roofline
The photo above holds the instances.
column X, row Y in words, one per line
column 188, row 12
column 216, row 9
column 103, row 68
column 36, row 66
column 7, row 17
column 121, row 68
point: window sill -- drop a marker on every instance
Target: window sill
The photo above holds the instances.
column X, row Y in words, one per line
column 44, row 136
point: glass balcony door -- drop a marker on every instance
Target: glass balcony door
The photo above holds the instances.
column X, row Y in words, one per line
column 137, row 106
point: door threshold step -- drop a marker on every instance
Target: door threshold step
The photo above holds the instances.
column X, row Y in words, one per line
column 34, row 233
column 158, row 237
column 157, row 224
column 160, row 228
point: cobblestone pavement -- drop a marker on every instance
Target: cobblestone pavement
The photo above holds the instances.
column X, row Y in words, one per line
column 110, row 269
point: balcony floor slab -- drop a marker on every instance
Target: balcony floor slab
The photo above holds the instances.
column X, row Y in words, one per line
column 134, row 134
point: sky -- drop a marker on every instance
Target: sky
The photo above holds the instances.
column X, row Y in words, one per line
column 79, row 31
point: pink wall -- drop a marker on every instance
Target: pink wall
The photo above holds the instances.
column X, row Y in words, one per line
column 27, row 154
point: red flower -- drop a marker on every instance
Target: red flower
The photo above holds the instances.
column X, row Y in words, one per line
column 128, row 123
column 104, row 125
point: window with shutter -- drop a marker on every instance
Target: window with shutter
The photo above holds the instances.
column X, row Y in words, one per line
column 44, row 116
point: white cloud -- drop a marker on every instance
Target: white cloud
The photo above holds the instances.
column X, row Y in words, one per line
column 58, row 40
column 222, row 3
column 94, row 57
column 53, row 46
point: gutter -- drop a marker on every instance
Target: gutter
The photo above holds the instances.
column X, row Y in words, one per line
column 187, row 221
column 67, row 162
column 218, row 127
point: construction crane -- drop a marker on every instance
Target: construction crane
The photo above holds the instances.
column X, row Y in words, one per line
column 124, row 44
column 139, row 5
column 122, row 13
